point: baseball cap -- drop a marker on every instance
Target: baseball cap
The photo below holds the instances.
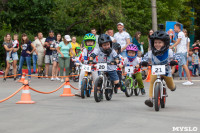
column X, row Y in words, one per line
column 120, row 23
column 68, row 38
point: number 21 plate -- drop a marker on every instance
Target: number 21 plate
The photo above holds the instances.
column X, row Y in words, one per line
column 158, row 69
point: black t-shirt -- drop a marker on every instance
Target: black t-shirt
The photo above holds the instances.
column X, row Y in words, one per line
column 26, row 47
column 49, row 40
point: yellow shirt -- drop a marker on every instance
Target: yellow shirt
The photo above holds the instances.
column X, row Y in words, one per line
column 74, row 45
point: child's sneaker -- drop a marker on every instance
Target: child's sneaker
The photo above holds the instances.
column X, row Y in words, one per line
column 149, row 102
column 52, row 79
column 62, row 80
column 143, row 91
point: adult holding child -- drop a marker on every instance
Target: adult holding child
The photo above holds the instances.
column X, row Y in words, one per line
column 10, row 51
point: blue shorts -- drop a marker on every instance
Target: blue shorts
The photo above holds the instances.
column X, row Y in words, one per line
column 14, row 56
column 113, row 75
column 182, row 58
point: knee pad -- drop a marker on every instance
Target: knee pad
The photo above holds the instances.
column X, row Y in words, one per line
column 117, row 85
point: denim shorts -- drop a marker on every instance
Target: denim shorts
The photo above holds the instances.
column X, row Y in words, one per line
column 113, row 75
column 182, row 58
column 14, row 56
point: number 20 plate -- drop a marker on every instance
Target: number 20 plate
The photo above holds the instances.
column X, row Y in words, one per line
column 158, row 70
column 102, row 67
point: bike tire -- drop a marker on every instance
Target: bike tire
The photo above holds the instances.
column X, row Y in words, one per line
column 115, row 90
column 88, row 92
column 163, row 99
column 98, row 91
column 83, row 88
column 109, row 92
column 129, row 90
column 157, row 96
column 136, row 90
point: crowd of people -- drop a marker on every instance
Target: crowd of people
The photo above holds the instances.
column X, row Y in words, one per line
column 64, row 52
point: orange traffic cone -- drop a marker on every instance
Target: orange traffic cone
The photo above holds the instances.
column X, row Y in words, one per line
column 149, row 74
column 26, row 96
column 22, row 78
column 67, row 90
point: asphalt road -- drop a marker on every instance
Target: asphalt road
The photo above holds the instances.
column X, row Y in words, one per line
column 54, row 114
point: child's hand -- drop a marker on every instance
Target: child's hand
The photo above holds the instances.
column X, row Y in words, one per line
column 142, row 43
column 62, row 55
column 137, row 66
column 120, row 66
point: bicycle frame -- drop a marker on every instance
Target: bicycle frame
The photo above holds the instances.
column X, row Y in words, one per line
column 158, row 80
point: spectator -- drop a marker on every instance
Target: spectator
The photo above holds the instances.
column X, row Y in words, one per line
column 64, row 48
column 27, row 49
column 195, row 61
column 149, row 40
column 136, row 41
column 122, row 38
column 34, row 56
column 55, row 67
column 8, row 46
column 187, row 41
column 74, row 46
column 110, row 32
column 94, row 31
column 48, row 54
column 182, row 52
column 190, row 67
column 40, row 51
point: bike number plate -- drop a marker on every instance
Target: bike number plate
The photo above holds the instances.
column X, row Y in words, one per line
column 158, row 70
column 129, row 69
column 102, row 67
column 86, row 68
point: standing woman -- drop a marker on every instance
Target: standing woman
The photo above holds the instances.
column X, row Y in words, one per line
column 53, row 47
column 136, row 41
column 8, row 45
column 149, row 41
column 64, row 48
column 27, row 49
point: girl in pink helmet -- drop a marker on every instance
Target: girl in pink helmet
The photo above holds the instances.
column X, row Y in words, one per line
column 130, row 60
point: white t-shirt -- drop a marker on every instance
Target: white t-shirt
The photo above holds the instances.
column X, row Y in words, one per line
column 121, row 38
column 182, row 46
column 187, row 40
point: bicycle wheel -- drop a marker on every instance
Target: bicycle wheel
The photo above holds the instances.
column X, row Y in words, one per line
column 129, row 90
column 98, row 90
column 83, row 88
column 108, row 92
column 88, row 91
column 157, row 96
column 136, row 89
column 163, row 99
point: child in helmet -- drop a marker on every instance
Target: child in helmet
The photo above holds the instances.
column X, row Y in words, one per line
column 89, row 46
column 131, row 60
column 106, row 54
column 160, row 54
column 117, row 47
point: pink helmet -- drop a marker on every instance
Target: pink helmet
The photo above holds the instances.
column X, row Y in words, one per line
column 132, row 47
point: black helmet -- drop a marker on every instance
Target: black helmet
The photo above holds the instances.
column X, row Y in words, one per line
column 116, row 46
column 103, row 38
column 161, row 35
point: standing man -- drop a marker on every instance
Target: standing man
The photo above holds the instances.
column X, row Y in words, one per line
column 34, row 57
column 94, row 31
column 181, row 51
column 123, row 38
column 40, row 51
column 48, row 54
column 110, row 32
